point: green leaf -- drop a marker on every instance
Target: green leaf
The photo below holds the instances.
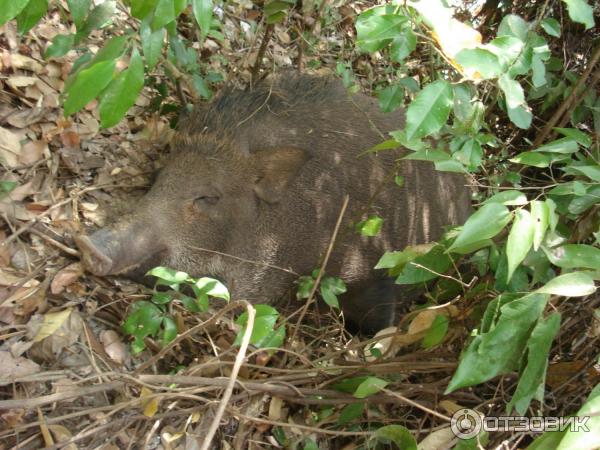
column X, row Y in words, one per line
column 485, row 223
column 30, row 16
column 509, row 197
column 305, row 286
column 551, row 26
column 162, row 298
column 513, row 92
column 169, row 330
column 574, row 284
column 428, row 155
column 540, row 215
column 264, row 322
column 9, row 9
column 520, row 116
column 370, row 227
column 350, row 412
column 100, row 16
column 141, row 9
column 122, row 92
column 513, row 25
column 532, row 159
column 163, row 14
column 152, row 43
column 507, row 49
column 391, row 98
column 168, row 276
column 144, row 320
column 534, row 374
column 391, row 260
column 330, row 288
column 79, row 10
column 581, row 12
column 538, row 69
column 211, row 287
column 592, row 172
column 87, row 85
column 370, row 386
column 429, row 111
column 398, row 434
column 373, row 32
column 579, row 136
column 520, row 240
column 499, row 350
column 203, row 10
column 403, row 45
column 564, row 145
column 470, row 154
column 61, row 44
column 436, row 333
column 426, row 267
column 583, row 439
column 574, row 256
column 483, row 61
column 6, row 187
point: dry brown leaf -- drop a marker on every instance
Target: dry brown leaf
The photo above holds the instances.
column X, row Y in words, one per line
column 10, row 147
column 33, row 151
column 114, row 346
column 438, row 440
column 52, row 322
column 58, row 331
column 27, row 117
column 13, row 417
column 149, row 404
column 423, row 321
column 449, row 406
column 18, row 81
column 62, row 434
column 12, row 367
column 275, row 409
column 19, row 61
column 65, row 277
column 70, row 139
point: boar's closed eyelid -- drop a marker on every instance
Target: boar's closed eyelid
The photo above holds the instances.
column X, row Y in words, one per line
column 207, row 200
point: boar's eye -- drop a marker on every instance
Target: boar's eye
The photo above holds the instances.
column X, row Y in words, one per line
column 204, row 200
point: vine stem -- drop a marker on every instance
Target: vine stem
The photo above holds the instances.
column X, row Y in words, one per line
column 239, row 359
column 570, row 102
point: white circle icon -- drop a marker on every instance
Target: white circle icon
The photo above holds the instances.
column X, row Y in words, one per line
column 466, row 423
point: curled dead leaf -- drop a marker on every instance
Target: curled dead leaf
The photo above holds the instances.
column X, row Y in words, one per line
column 10, row 147
column 113, row 346
column 66, row 277
column 15, row 367
column 33, row 151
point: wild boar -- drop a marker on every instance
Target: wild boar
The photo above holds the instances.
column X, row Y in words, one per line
column 254, row 184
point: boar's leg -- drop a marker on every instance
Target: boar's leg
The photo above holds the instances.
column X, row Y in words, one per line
column 370, row 306
column 128, row 247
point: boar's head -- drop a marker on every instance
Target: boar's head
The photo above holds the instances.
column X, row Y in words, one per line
column 210, row 196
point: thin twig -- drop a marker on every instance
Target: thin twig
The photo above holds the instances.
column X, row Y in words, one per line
column 239, row 359
column 261, row 52
column 249, row 261
column 566, row 104
column 311, row 297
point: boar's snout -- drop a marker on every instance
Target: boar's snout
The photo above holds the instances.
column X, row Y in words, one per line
column 93, row 256
column 125, row 249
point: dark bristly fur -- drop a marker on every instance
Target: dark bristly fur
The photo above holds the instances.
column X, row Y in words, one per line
column 261, row 175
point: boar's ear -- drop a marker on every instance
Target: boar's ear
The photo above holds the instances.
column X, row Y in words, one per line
column 275, row 169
